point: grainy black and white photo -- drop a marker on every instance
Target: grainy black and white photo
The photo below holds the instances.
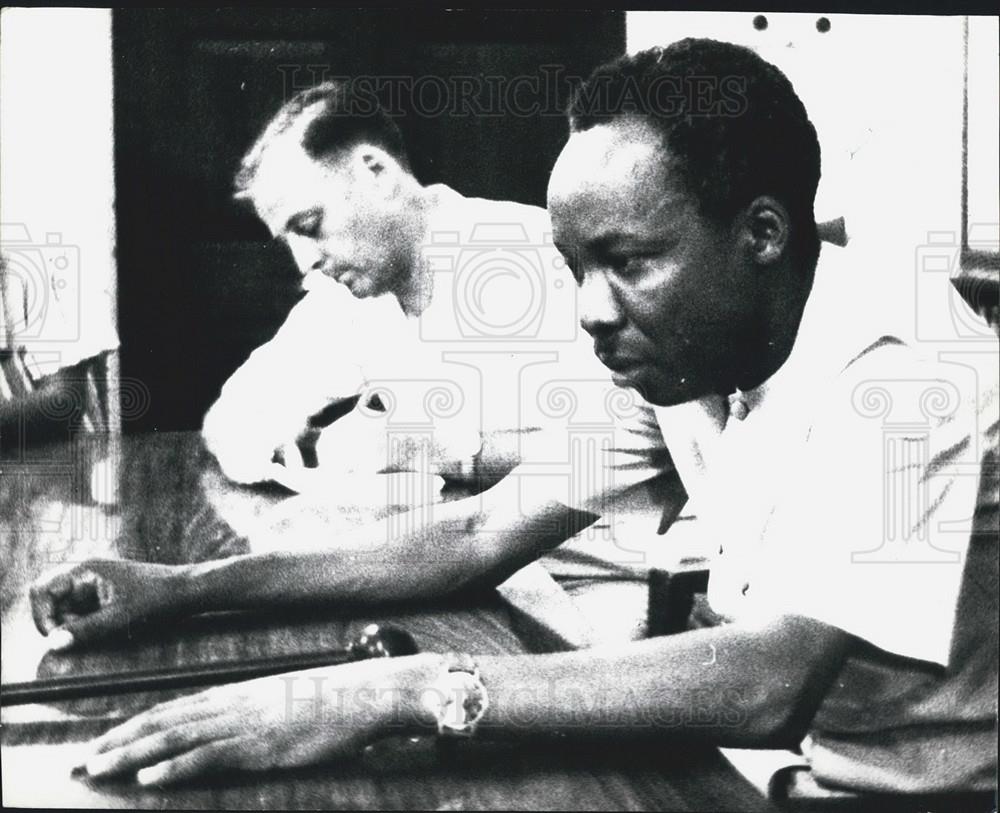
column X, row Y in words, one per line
column 456, row 409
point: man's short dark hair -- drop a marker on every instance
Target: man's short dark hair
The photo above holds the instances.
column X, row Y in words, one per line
column 731, row 119
column 339, row 118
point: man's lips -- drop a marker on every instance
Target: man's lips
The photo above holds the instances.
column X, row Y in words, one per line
column 613, row 361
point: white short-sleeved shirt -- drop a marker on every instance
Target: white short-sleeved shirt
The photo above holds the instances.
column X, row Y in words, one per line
column 501, row 323
column 848, row 477
column 847, row 495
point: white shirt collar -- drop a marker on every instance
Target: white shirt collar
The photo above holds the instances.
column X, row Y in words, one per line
column 827, row 339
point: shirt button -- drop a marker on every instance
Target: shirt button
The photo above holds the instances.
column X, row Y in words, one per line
column 745, row 588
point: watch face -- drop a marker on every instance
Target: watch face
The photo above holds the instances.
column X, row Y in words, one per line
column 461, row 701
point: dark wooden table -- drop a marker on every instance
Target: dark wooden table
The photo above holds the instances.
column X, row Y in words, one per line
column 55, row 507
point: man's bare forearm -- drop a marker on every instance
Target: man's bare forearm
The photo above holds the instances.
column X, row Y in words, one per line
column 728, row 685
column 420, row 554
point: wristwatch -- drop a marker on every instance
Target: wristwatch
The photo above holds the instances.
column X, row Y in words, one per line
column 458, row 698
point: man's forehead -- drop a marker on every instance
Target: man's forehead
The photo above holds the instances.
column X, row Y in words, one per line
column 286, row 181
column 606, row 154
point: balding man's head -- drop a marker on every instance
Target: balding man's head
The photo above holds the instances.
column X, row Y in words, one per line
column 323, row 122
column 730, row 121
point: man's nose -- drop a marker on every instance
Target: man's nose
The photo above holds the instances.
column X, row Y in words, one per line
column 306, row 254
column 599, row 308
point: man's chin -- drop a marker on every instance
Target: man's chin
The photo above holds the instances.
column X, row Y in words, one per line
column 651, row 390
column 624, row 380
column 630, row 381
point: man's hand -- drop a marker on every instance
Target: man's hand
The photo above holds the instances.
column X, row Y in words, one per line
column 277, row 721
column 82, row 602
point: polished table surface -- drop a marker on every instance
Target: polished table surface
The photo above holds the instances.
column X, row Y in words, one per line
column 157, row 498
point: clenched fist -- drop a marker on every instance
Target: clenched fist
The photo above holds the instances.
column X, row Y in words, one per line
column 90, row 600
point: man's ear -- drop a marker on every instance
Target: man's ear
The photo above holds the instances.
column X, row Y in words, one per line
column 376, row 166
column 768, row 230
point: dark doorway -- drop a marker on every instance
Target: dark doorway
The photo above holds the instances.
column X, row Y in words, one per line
column 477, row 94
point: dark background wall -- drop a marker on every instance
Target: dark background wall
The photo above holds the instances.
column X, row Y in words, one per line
column 478, row 96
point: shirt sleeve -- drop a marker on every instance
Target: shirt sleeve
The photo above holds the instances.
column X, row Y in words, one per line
column 872, row 533
column 605, row 463
column 310, row 362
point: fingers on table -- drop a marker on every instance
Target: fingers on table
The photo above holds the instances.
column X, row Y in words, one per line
column 96, row 624
column 205, row 758
column 173, row 713
column 46, row 593
column 166, row 744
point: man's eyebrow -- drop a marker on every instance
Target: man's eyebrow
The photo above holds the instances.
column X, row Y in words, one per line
column 600, row 242
column 655, row 239
column 615, row 239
